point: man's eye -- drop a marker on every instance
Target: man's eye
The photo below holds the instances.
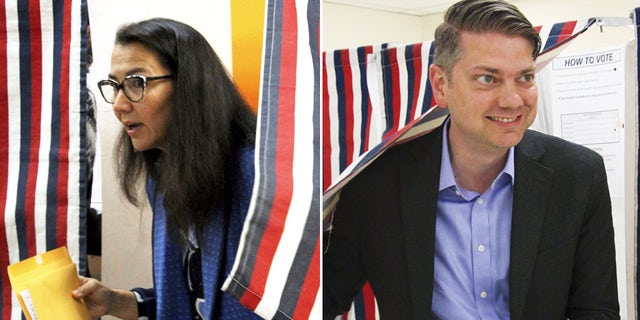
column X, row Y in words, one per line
column 528, row 77
column 486, row 79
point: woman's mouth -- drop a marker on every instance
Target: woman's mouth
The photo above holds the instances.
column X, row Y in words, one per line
column 132, row 126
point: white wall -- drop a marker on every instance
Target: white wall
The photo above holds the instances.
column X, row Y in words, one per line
column 126, row 238
column 347, row 26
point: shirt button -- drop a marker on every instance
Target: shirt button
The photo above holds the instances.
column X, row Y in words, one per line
column 481, row 248
column 458, row 193
column 480, row 201
column 483, row 294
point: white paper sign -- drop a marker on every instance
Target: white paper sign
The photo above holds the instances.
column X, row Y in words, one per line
column 588, row 96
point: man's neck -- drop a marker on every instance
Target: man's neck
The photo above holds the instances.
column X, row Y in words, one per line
column 475, row 171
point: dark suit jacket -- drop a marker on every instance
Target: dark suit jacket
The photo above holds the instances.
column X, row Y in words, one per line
column 562, row 245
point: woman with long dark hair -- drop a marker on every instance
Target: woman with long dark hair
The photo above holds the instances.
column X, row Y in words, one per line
column 188, row 133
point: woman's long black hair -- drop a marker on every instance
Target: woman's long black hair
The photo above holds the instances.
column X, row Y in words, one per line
column 208, row 123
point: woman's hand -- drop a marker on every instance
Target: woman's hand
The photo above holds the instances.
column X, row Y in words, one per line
column 102, row 300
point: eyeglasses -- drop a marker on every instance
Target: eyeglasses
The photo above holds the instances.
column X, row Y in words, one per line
column 133, row 87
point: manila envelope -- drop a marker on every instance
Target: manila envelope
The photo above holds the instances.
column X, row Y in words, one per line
column 43, row 285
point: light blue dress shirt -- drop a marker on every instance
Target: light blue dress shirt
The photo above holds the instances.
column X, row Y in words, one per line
column 473, row 232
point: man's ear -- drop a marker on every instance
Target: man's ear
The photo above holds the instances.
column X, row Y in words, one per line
column 439, row 82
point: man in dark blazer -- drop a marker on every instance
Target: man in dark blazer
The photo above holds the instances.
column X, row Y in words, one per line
column 554, row 243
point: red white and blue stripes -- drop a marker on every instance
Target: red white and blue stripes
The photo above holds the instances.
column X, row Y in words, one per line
column 406, row 91
column 42, row 119
column 554, row 38
column 346, row 99
column 277, row 269
column 369, row 93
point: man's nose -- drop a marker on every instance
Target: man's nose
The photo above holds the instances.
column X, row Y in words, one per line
column 510, row 96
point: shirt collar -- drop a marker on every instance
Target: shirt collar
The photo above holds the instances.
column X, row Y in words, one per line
column 447, row 179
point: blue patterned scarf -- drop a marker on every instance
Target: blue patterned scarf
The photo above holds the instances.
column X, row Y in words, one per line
column 218, row 246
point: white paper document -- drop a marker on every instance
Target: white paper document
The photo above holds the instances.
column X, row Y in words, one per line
column 588, row 96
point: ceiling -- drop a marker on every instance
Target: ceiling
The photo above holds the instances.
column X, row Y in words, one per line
column 410, row 7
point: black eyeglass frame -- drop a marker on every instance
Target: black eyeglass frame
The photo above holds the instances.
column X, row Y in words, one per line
column 120, row 85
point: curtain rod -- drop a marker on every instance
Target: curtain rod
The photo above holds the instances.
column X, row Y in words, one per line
column 614, row 22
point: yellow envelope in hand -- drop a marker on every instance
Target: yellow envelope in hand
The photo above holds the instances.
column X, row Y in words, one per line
column 43, row 285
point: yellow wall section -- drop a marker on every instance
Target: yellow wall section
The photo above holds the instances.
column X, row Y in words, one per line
column 247, row 28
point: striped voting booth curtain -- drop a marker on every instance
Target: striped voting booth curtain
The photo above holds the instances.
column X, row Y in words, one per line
column 398, row 89
column 42, row 134
column 399, row 93
column 369, row 95
column 406, row 90
column 277, row 269
column 347, row 109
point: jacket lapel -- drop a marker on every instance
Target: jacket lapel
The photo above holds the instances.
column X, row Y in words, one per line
column 531, row 194
column 418, row 176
